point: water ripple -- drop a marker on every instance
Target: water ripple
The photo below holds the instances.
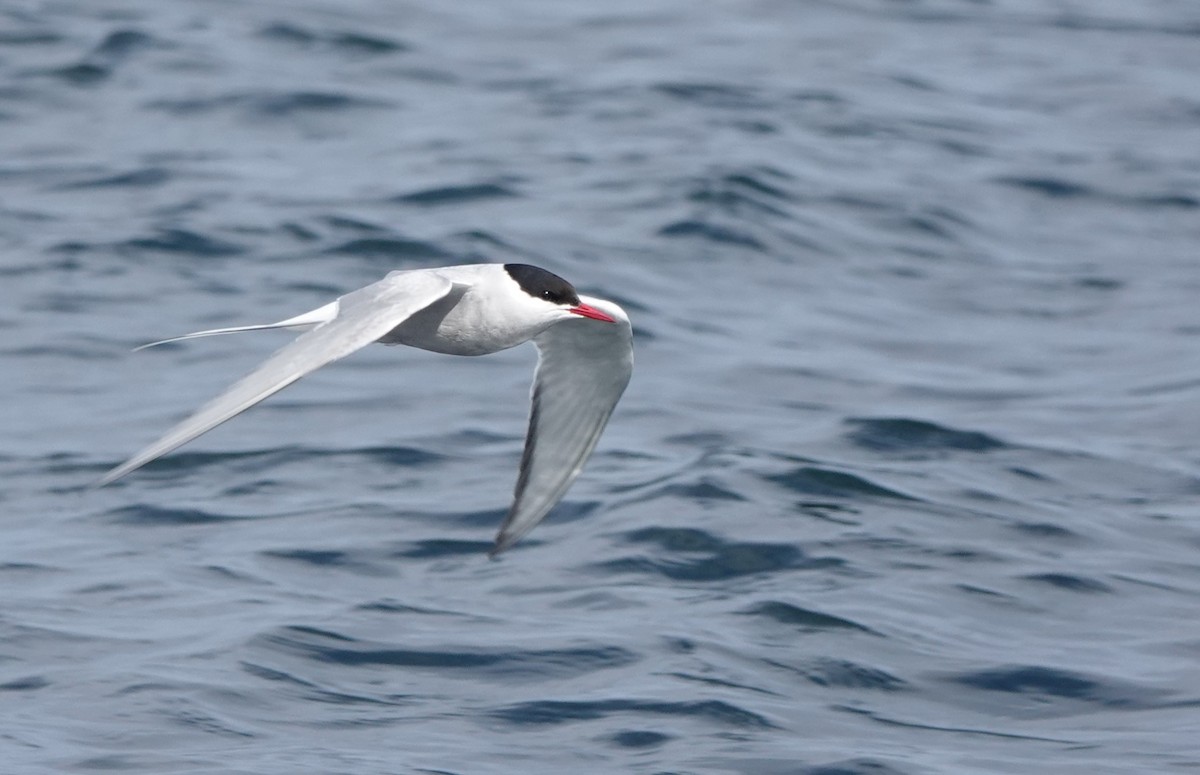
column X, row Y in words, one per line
column 688, row 554
column 900, row 435
column 144, row 177
column 182, row 242
column 1070, row 582
column 714, row 95
column 26, row 684
column 1059, row 188
column 813, row 480
column 748, row 192
column 498, row 663
column 395, row 250
column 1038, row 691
column 832, row 672
column 712, row 232
column 433, row 548
column 312, row 38
column 272, row 458
column 150, row 515
column 861, row 766
column 313, row 691
column 639, row 738
column 455, row 195
column 363, row 562
column 802, row 618
column 553, row 712
column 98, row 65
column 278, row 105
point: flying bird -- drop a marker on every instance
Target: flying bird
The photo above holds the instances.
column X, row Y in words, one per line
column 585, row 359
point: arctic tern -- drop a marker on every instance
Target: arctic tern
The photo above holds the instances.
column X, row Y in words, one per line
column 585, row 359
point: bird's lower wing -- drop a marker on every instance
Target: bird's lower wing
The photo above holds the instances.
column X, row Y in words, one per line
column 583, row 368
column 362, row 317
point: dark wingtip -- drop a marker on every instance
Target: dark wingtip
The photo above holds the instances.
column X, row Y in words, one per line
column 502, row 544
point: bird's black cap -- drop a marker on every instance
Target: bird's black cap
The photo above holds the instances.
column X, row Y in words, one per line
column 540, row 284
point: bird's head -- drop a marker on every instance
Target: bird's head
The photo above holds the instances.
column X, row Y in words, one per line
column 551, row 295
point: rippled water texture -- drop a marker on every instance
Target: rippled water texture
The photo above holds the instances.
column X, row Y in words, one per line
column 906, row 480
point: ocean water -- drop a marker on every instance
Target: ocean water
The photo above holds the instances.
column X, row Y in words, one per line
column 907, row 479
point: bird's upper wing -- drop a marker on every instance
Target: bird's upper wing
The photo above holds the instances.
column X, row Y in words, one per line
column 583, row 368
column 363, row 316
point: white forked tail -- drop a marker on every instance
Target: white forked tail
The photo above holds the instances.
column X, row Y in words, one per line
column 308, row 320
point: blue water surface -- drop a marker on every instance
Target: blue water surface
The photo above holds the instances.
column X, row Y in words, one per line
column 907, row 479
